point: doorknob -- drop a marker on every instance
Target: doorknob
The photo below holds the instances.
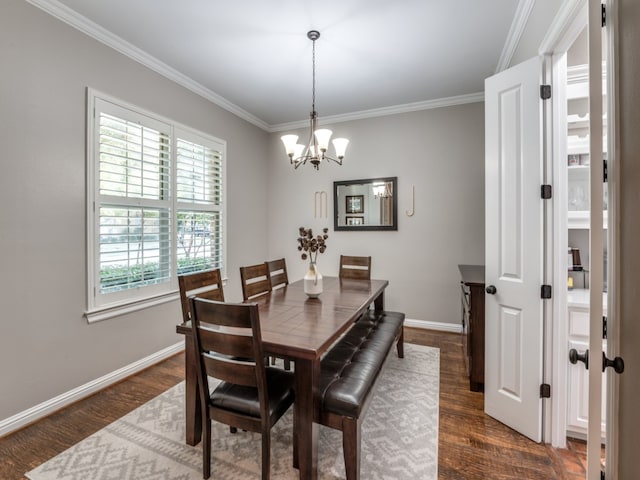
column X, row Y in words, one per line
column 617, row 363
column 491, row 290
column 575, row 357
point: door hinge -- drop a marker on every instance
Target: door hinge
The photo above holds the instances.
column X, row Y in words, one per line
column 605, row 170
column 604, row 15
column 545, row 291
column 545, row 390
column 545, row 92
column 545, row 192
column 604, row 328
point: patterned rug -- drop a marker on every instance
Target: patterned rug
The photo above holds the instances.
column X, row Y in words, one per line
column 399, row 437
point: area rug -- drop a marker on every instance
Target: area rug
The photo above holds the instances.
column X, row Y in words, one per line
column 399, row 437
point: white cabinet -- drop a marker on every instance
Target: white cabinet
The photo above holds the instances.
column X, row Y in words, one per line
column 578, row 376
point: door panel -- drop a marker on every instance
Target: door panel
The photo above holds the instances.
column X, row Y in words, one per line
column 510, row 348
column 514, row 247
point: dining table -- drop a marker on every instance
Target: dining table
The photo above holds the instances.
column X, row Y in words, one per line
column 302, row 329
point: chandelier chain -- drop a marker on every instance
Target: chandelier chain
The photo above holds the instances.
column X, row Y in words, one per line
column 313, row 86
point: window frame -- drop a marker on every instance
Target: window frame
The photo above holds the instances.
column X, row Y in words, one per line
column 102, row 306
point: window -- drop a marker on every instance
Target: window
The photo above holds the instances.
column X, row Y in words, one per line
column 155, row 206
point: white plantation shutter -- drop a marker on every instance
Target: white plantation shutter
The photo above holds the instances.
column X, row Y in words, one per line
column 199, row 173
column 134, row 159
column 155, row 203
column 199, row 202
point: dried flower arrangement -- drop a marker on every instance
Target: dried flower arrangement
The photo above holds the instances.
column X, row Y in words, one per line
column 309, row 245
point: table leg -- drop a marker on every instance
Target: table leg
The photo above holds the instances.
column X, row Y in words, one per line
column 193, row 413
column 378, row 303
column 306, row 377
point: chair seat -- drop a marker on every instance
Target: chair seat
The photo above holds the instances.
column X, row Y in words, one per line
column 244, row 400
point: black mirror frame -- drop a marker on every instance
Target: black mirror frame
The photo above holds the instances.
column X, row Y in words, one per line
column 351, row 228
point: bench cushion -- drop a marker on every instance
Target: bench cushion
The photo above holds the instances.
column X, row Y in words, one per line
column 350, row 369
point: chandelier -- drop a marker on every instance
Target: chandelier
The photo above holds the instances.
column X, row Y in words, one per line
column 381, row 190
column 316, row 149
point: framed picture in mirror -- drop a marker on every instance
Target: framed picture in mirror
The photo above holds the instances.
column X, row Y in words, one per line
column 355, row 204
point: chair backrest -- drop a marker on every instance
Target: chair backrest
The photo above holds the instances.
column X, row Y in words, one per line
column 203, row 284
column 228, row 344
column 277, row 273
column 355, row 267
column 255, row 281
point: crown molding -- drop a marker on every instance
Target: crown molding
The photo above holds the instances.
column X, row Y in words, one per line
column 383, row 111
column 571, row 18
column 518, row 25
column 86, row 26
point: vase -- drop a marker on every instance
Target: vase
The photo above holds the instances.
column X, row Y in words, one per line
column 313, row 281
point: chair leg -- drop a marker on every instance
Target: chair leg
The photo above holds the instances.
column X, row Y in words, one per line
column 296, row 464
column 400, row 343
column 206, row 448
column 287, row 364
column 266, row 454
column 351, row 447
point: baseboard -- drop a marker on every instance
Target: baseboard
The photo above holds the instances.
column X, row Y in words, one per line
column 40, row 411
column 441, row 326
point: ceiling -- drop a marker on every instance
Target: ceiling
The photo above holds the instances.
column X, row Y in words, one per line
column 253, row 56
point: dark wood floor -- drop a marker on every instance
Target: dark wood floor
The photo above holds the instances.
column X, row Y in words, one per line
column 471, row 444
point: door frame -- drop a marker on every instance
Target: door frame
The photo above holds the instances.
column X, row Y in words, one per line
column 571, row 19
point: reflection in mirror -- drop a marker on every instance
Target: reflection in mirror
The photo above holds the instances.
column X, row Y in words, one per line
column 367, row 204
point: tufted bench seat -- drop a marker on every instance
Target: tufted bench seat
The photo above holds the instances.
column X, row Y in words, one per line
column 348, row 373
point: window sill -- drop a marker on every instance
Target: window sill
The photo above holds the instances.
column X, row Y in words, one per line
column 104, row 313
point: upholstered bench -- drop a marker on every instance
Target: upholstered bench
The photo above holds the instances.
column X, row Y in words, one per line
column 348, row 373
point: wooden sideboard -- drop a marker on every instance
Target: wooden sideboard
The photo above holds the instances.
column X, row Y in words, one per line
column 472, row 308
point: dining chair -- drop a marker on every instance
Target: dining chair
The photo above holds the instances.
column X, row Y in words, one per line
column 277, row 273
column 255, row 281
column 250, row 395
column 205, row 284
column 278, row 278
column 355, row 267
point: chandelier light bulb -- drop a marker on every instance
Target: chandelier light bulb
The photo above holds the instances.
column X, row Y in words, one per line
column 340, row 145
column 322, row 136
column 289, row 143
column 297, row 151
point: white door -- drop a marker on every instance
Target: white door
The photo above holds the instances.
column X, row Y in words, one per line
column 514, row 248
column 596, row 241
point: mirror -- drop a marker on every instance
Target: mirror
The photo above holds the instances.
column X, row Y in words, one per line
column 368, row 204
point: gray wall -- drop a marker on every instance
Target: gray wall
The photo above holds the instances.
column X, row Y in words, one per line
column 441, row 152
column 46, row 345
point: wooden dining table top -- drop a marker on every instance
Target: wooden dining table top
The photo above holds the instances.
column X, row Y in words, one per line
column 294, row 325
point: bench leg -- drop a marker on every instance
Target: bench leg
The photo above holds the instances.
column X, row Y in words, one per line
column 351, row 447
column 400, row 343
